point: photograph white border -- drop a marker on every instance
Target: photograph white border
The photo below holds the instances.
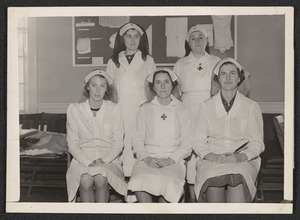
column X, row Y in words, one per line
column 13, row 177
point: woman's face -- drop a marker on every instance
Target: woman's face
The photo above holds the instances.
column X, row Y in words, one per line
column 97, row 87
column 197, row 42
column 162, row 85
column 229, row 77
column 132, row 40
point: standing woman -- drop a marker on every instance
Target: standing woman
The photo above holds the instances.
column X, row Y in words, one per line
column 195, row 71
column 95, row 140
column 228, row 139
column 161, row 142
column 129, row 67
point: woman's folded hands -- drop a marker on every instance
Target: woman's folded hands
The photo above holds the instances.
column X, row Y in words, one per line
column 96, row 162
column 226, row 158
column 158, row 162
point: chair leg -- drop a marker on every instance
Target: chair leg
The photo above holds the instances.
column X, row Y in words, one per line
column 33, row 178
column 262, row 196
column 183, row 195
column 259, row 196
column 260, row 192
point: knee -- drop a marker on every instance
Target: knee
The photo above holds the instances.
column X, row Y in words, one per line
column 86, row 181
column 100, row 181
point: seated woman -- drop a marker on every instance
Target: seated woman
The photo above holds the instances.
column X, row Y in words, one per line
column 228, row 139
column 161, row 142
column 95, row 140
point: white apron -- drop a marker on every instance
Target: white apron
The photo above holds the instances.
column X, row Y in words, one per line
column 217, row 131
column 161, row 132
column 90, row 138
column 195, row 84
column 130, row 82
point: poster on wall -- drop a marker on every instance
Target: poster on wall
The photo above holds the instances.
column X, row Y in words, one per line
column 57, row 47
column 94, row 37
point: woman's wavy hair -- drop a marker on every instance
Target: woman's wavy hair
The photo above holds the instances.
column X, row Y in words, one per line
column 151, row 84
column 120, row 46
column 241, row 73
column 108, row 93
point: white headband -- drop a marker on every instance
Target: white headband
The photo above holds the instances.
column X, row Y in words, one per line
column 221, row 62
column 98, row 72
column 173, row 75
column 197, row 28
column 128, row 26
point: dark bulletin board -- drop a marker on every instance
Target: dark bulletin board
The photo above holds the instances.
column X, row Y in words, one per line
column 100, row 47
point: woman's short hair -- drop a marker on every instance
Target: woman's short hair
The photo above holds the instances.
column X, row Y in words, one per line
column 241, row 73
column 120, row 45
column 151, row 84
column 108, row 93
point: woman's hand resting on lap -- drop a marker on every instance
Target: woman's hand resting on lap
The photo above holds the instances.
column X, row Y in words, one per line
column 164, row 162
column 234, row 158
column 158, row 162
column 225, row 158
column 96, row 162
column 152, row 162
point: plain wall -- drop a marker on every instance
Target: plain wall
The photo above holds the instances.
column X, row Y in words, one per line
column 260, row 49
column 58, row 80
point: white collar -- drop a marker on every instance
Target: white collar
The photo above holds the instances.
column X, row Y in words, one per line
column 192, row 58
column 136, row 62
column 122, row 53
column 174, row 102
column 87, row 110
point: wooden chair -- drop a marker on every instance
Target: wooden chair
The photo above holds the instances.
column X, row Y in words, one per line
column 270, row 177
column 54, row 122
column 279, row 127
column 29, row 121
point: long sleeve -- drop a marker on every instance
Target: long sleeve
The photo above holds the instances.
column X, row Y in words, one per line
column 245, row 86
column 185, row 145
column 256, row 145
column 215, row 86
column 118, row 134
column 111, row 68
column 73, row 137
column 138, row 139
column 152, row 66
column 177, row 70
column 199, row 144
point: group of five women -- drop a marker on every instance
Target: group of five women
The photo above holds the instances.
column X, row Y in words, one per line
column 166, row 128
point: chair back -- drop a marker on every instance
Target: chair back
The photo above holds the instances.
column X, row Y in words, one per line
column 54, row 122
column 279, row 128
column 29, row 121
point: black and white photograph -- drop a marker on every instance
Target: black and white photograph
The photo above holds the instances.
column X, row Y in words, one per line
column 132, row 107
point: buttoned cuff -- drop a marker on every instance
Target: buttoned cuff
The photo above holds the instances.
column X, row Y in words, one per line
column 142, row 154
column 176, row 158
column 250, row 155
column 203, row 153
column 87, row 162
column 107, row 158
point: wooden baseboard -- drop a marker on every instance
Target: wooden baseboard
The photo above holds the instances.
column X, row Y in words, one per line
column 53, row 107
column 266, row 107
column 272, row 107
